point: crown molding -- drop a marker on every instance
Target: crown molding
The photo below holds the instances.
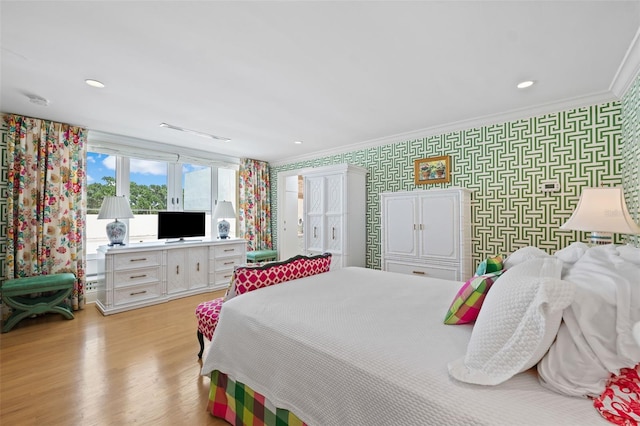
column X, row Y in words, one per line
column 518, row 114
column 628, row 70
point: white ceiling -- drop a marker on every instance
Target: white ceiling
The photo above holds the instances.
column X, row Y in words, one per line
column 336, row 75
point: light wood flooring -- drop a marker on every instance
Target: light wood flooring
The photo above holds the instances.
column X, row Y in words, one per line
column 138, row 367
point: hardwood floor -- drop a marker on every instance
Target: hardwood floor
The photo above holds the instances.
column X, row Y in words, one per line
column 137, row 367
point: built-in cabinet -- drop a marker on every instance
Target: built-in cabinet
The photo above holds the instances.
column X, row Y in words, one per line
column 335, row 213
column 144, row 274
column 427, row 233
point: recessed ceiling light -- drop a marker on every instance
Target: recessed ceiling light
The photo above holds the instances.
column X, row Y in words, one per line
column 525, row 84
column 298, row 142
column 194, row 132
column 94, row 83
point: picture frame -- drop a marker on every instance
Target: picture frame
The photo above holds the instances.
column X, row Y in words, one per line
column 432, row 170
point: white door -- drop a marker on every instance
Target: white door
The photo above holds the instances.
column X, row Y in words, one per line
column 401, row 226
column 314, row 214
column 440, row 219
column 288, row 239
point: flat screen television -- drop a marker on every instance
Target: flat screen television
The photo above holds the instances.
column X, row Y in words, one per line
column 181, row 225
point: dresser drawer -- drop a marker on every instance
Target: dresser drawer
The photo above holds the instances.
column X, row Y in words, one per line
column 223, row 277
column 228, row 263
column 123, row 296
column 137, row 260
column 227, row 250
column 431, row 271
column 136, row 276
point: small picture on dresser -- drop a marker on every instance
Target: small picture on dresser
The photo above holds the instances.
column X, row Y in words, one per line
column 432, row 170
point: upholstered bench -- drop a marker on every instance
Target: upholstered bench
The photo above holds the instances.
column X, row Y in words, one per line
column 248, row 278
column 17, row 292
column 261, row 255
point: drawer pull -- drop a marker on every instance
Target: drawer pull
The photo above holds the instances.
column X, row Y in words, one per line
column 142, row 259
column 228, row 263
column 418, row 272
column 333, row 233
column 137, row 292
column 227, row 276
column 226, row 250
column 315, row 234
column 198, row 267
column 137, row 276
column 177, row 269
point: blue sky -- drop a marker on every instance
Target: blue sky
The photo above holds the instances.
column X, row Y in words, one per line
column 143, row 172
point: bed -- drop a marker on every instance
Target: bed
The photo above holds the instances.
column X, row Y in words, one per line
column 358, row 346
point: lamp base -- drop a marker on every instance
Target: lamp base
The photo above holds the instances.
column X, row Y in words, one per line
column 116, row 231
column 601, row 238
column 223, row 229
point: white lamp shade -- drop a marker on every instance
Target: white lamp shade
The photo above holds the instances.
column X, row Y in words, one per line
column 602, row 210
column 224, row 209
column 115, row 208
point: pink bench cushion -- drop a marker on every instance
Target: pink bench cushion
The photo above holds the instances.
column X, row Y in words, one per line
column 249, row 278
column 207, row 314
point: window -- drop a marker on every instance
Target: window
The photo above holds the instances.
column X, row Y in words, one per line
column 152, row 186
column 147, row 195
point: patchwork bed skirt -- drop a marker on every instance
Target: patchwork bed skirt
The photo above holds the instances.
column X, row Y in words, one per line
column 239, row 405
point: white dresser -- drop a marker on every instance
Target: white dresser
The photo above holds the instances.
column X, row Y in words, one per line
column 427, row 233
column 335, row 213
column 144, row 274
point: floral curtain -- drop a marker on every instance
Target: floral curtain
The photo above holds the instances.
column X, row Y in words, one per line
column 46, row 203
column 254, row 209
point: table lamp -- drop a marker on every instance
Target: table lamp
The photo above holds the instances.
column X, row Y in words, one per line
column 603, row 211
column 114, row 207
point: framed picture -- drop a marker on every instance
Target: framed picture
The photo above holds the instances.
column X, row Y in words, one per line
column 432, row 170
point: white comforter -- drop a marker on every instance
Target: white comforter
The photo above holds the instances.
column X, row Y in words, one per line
column 596, row 337
column 364, row 347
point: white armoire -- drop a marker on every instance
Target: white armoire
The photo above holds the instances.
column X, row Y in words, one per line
column 427, row 233
column 335, row 213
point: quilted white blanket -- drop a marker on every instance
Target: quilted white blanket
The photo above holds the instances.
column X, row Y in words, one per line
column 363, row 347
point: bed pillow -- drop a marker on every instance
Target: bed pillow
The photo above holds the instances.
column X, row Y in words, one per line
column 518, row 322
column 522, row 255
column 468, row 301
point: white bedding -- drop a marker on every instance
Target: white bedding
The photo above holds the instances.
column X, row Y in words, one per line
column 363, row 347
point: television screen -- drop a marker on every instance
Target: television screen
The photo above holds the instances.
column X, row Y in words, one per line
column 181, row 224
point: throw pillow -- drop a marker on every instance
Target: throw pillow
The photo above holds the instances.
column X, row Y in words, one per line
column 517, row 324
column 468, row 301
column 490, row 265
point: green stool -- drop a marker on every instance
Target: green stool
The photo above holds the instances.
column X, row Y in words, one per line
column 15, row 293
column 261, row 255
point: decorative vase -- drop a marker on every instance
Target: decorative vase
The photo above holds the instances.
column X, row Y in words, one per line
column 116, row 231
column 223, row 229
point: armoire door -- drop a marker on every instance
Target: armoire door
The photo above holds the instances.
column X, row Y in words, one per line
column 401, row 226
column 440, row 228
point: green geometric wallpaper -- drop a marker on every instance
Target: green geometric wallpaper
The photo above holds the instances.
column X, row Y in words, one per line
column 503, row 165
column 631, row 152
